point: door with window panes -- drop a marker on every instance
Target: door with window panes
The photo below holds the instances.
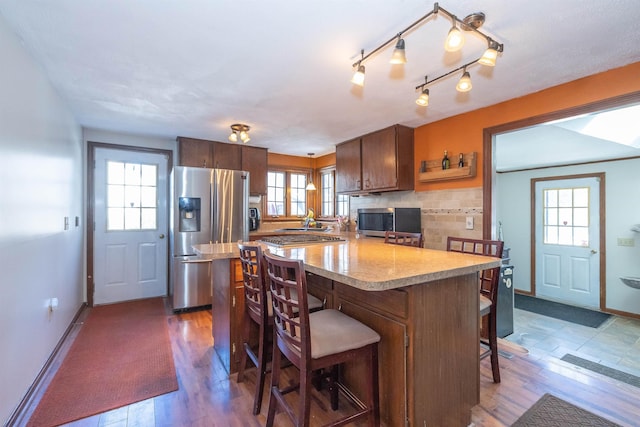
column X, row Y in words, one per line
column 130, row 249
column 567, row 230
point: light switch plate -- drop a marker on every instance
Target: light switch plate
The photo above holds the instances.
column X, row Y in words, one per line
column 469, row 223
column 625, row 242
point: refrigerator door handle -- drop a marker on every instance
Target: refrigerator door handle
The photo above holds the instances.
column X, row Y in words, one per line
column 195, row 261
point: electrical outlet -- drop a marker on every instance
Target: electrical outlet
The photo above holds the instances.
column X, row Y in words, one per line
column 622, row 241
column 469, row 223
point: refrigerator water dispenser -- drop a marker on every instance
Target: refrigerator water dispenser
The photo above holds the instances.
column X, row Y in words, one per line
column 189, row 212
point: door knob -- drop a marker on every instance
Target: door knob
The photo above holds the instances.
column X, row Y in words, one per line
column 162, row 236
column 593, row 251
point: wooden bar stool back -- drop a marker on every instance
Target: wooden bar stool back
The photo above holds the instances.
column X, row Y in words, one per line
column 488, row 292
column 313, row 341
column 258, row 311
column 403, row 238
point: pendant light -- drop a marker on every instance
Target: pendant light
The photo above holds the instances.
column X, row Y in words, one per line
column 310, row 186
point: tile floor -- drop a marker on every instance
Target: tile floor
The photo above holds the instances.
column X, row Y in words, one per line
column 616, row 343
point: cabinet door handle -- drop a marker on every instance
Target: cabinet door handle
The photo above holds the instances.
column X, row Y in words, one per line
column 324, row 302
column 340, row 307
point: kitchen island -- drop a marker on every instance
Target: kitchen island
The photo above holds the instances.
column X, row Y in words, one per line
column 423, row 303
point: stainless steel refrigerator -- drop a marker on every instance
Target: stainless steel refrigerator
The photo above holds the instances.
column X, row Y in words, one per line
column 208, row 206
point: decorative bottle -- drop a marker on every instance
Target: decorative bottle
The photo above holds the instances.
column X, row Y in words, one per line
column 445, row 161
column 460, row 161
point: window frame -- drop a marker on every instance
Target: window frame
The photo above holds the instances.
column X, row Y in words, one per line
column 288, row 171
column 332, row 171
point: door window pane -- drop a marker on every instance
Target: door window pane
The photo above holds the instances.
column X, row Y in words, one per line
column 566, row 216
column 130, row 188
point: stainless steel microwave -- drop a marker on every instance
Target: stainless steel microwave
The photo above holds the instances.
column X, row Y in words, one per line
column 375, row 221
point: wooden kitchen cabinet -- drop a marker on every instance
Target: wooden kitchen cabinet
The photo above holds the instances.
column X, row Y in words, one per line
column 227, row 311
column 392, row 349
column 321, row 288
column 212, row 154
column 195, row 152
column 254, row 160
column 227, row 156
column 348, row 167
column 377, row 162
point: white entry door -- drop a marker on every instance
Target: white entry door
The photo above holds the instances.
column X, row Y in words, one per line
column 131, row 225
column 567, row 240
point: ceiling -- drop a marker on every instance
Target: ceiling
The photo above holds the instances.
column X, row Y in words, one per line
column 191, row 68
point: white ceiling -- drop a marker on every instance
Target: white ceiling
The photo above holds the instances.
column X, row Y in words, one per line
column 193, row 67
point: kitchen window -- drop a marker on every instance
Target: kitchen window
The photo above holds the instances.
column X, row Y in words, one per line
column 332, row 204
column 286, row 193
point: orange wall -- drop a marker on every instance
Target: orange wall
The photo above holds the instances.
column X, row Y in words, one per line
column 463, row 133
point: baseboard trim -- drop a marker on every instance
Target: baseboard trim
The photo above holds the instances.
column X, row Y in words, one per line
column 18, row 416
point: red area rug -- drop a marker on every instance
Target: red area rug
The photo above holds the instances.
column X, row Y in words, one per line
column 121, row 355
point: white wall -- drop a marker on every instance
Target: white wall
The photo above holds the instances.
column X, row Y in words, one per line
column 40, row 184
column 622, row 198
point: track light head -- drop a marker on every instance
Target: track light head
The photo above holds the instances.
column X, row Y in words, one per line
column 423, row 99
column 455, row 39
column 399, row 56
column 239, row 130
column 358, row 76
column 490, row 55
column 464, row 84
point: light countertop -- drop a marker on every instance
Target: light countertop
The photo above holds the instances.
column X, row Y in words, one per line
column 369, row 263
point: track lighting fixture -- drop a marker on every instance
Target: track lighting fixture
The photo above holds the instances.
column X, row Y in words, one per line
column 464, row 84
column 455, row 39
column 423, row 99
column 358, row 76
column 239, row 130
column 310, row 186
column 398, row 56
column 454, row 42
column 490, row 55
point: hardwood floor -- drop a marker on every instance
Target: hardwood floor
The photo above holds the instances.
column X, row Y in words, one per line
column 207, row 397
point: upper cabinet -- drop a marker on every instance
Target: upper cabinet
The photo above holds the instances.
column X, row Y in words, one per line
column 377, row 162
column 212, row 154
column 254, row 160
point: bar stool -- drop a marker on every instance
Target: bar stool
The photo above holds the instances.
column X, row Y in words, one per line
column 488, row 292
column 313, row 341
column 403, row 238
column 258, row 310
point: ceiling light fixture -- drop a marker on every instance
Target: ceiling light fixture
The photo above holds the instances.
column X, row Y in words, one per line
column 399, row 56
column 358, row 76
column 454, row 41
column 241, row 131
column 464, row 84
column 310, row 186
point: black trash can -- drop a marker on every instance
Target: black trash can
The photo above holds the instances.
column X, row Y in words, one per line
column 505, row 302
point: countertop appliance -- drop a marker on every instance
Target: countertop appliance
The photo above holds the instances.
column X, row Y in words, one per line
column 254, row 219
column 209, row 206
column 375, row 221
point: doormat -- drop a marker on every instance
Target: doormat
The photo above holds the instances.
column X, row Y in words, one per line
column 603, row 370
column 121, row 355
column 550, row 410
column 578, row 315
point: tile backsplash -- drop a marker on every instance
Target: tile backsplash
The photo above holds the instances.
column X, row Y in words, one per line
column 444, row 212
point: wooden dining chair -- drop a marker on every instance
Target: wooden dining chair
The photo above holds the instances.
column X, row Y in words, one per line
column 403, row 238
column 314, row 341
column 258, row 311
column 489, row 280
